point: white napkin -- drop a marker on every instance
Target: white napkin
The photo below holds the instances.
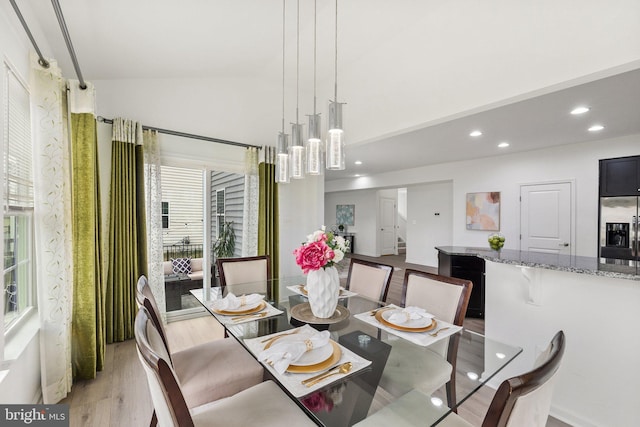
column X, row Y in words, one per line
column 409, row 313
column 284, row 353
column 232, row 302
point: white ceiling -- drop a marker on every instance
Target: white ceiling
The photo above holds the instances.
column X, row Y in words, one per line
column 153, row 39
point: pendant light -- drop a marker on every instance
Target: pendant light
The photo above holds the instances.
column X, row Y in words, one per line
column 282, row 157
column 335, row 145
column 296, row 152
column 314, row 143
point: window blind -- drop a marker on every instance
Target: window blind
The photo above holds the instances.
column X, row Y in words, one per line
column 18, row 166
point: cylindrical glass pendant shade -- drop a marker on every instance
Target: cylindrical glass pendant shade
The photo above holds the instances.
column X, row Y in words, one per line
column 296, row 152
column 313, row 146
column 282, row 159
column 335, row 115
column 335, row 152
column 315, row 158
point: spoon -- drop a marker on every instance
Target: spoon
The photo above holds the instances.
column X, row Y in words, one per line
column 435, row 334
column 338, row 370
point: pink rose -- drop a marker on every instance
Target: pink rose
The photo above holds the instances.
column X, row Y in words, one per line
column 313, row 256
column 318, row 402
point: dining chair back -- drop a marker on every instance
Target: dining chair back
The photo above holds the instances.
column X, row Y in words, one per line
column 236, row 271
column 446, row 298
column 145, row 298
column 526, row 399
column 247, row 407
column 169, row 404
column 369, row 279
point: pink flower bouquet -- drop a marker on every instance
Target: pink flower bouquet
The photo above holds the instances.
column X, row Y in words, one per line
column 322, row 249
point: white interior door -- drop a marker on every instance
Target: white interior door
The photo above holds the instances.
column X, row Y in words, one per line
column 388, row 236
column 545, row 218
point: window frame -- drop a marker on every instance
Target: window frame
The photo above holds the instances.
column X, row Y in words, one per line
column 11, row 329
column 221, row 215
column 164, row 215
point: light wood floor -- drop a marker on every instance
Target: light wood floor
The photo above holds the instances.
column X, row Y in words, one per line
column 119, row 395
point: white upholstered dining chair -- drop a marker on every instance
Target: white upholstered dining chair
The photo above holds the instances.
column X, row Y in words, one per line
column 447, row 299
column 524, row 400
column 236, row 271
column 369, row 279
column 264, row 404
column 207, row 371
column 520, row 401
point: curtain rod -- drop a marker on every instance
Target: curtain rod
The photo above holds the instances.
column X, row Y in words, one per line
column 67, row 39
column 41, row 59
column 187, row 135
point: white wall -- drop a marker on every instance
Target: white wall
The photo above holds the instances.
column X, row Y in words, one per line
column 301, row 213
column 365, row 222
column 402, row 213
column 429, row 221
column 573, row 161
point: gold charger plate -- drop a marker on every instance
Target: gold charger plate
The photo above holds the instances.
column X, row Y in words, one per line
column 256, row 309
column 381, row 319
column 303, row 313
column 320, row 366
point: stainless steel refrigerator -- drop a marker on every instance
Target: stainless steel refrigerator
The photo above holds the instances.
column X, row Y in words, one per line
column 619, row 228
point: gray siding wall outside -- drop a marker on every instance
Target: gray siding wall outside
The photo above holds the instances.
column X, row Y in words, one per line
column 233, row 186
column 182, row 188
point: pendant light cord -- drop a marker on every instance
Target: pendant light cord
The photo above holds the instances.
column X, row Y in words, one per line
column 283, row 62
column 298, row 62
column 315, row 32
column 336, row 58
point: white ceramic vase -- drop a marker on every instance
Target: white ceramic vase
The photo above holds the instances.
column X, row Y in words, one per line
column 323, row 290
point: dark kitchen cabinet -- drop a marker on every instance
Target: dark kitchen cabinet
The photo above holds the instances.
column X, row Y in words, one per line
column 468, row 267
column 620, row 177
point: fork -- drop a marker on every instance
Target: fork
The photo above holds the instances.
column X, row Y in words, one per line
column 270, row 340
column 249, row 316
column 435, row 334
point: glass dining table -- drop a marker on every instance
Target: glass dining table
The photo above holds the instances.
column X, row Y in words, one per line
column 399, row 386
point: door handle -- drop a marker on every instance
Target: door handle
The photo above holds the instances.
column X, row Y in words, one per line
column 564, row 244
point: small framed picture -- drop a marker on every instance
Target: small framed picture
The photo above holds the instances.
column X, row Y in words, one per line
column 483, row 211
column 345, row 214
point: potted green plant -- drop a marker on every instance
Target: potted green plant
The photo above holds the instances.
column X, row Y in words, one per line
column 225, row 244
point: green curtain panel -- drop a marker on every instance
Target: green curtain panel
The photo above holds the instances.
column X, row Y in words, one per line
column 127, row 241
column 88, row 321
column 268, row 229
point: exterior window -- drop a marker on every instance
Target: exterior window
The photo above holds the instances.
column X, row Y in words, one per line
column 219, row 210
column 18, row 276
column 165, row 214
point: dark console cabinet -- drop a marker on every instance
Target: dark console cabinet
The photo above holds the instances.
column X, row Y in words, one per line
column 468, row 267
column 620, row 177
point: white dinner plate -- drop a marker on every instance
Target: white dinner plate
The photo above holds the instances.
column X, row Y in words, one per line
column 312, row 357
column 413, row 323
column 245, row 307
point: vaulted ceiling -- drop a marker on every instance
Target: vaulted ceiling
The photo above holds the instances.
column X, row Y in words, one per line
column 417, row 76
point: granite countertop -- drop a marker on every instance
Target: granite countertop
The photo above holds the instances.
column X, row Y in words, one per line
column 573, row 264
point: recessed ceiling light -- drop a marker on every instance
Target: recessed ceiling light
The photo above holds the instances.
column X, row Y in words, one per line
column 358, row 162
column 475, row 133
column 501, row 355
column 503, row 145
column 357, row 175
column 596, row 128
column 579, row 110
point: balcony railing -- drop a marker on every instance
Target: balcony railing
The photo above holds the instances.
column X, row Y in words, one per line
column 180, row 250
